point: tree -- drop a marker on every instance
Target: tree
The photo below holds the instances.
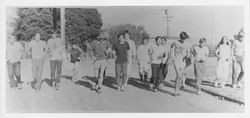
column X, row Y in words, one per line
column 33, row 20
column 137, row 32
column 82, row 24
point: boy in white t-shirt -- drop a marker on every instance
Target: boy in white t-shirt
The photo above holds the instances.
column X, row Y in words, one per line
column 38, row 50
column 238, row 53
column 156, row 53
column 200, row 55
column 14, row 54
column 55, row 49
column 144, row 60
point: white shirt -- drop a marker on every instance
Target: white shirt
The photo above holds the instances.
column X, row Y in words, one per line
column 142, row 54
column 157, row 52
column 166, row 49
column 55, row 47
column 37, row 49
column 238, row 48
column 132, row 50
column 223, row 52
column 14, row 52
column 200, row 53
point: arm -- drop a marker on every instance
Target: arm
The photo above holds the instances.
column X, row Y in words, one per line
column 165, row 55
column 217, row 51
column 171, row 53
column 80, row 50
column 207, row 53
column 114, row 51
column 150, row 52
column 29, row 48
column 133, row 50
column 231, row 50
column 128, row 50
column 138, row 54
column 193, row 53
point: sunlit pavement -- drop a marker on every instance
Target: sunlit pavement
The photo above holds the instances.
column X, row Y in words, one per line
column 79, row 98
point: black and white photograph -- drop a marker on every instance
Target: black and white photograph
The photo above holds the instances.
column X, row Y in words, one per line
column 125, row 59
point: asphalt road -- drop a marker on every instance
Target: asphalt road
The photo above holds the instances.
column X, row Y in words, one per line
column 80, row 99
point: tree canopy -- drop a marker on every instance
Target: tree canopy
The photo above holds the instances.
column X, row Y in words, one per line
column 33, row 20
column 82, row 24
column 137, row 32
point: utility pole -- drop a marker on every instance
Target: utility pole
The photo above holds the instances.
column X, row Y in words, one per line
column 167, row 19
column 212, row 26
column 62, row 15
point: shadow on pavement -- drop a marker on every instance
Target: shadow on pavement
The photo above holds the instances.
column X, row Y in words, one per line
column 137, row 83
column 107, row 81
column 48, row 81
column 67, row 77
column 31, row 84
column 84, row 83
column 187, row 82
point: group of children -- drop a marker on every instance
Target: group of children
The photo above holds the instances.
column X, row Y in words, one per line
column 153, row 60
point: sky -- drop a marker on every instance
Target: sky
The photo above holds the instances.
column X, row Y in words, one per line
column 211, row 22
column 198, row 21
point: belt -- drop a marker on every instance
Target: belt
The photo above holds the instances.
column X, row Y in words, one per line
column 200, row 61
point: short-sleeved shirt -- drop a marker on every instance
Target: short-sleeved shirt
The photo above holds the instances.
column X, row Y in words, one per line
column 224, row 52
column 56, row 48
column 142, row 53
column 238, row 48
column 37, row 48
column 166, row 48
column 121, row 52
column 157, row 55
column 99, row 49
column 14, row 52
column 132, row 50
column 74, row 55
column 200, row 53
column 180, row 51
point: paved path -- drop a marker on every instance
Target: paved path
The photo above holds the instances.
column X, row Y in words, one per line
column 136, row 98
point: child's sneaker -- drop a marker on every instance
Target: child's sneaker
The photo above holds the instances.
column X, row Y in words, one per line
column 98, row 90
column 118, row 88
column 151, row 86
column 123, row 88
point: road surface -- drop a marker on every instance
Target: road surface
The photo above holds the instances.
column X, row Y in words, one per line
column 72, row 98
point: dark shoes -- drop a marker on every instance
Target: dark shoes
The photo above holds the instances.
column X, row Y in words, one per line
column 56, row 86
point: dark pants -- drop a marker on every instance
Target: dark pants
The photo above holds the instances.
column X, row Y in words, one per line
column 121, row 71
column 14, row 71
column 156, row 78
column 55, row 70
column 164, row 68
column 199, row 70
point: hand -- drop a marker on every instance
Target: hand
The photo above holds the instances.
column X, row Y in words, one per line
column 159, row 57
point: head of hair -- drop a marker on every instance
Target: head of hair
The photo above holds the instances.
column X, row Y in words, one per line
column 221, row 42
column 158, row 37
column 202, row 40
column 144, row 38
column 165, row 39
column 126, row 32
column 120, row 34
column 184, row 35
